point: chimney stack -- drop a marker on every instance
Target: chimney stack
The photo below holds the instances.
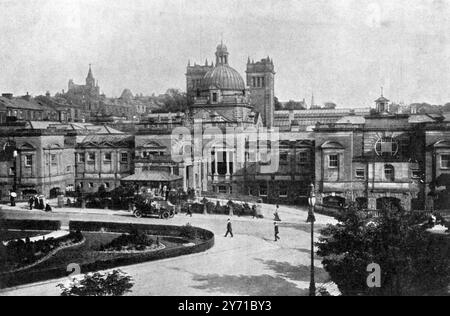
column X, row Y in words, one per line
column 7, row 95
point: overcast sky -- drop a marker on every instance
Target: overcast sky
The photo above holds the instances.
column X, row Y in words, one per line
column 343, row 50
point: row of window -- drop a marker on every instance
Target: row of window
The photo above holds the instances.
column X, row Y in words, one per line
column 28, row 160
column 107, row 157
column 258, row 82
column 282, row 190
column 333, row 162
column 91, row 185
column 302, row 157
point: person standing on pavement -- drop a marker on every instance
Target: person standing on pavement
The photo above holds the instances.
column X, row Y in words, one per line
column 31, row 202
column 276, row 231
column 189, row 211
column 229, row 229
column 12, row 198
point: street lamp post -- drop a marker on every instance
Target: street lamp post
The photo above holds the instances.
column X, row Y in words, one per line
column 311, row 219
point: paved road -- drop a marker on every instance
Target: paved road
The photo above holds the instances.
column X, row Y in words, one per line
column 251, row 263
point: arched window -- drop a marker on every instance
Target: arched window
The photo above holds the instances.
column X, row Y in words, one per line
column 386, row 147
column 389, row 173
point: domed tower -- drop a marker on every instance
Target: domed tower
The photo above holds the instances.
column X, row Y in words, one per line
column 221, row 55
column 223, row 93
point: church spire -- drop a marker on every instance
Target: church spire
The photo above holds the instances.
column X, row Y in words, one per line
column 90, row 81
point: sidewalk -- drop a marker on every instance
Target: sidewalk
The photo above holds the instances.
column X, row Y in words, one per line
column 288, row 214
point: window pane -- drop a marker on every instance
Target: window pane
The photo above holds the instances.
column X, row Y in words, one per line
column 334, row 161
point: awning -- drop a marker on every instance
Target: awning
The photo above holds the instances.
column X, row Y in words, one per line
column 152, row 176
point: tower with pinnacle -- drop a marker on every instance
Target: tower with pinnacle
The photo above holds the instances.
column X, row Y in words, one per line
column 261, row 82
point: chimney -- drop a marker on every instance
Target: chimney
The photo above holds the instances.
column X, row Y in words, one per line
column 7, row 95
column 27, row 97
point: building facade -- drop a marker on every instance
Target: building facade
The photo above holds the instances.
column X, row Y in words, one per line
column 383, row 158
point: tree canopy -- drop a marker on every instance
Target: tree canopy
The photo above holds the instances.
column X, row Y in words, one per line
column 412, row 260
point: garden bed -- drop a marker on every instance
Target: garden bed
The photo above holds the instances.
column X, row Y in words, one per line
column 89, row 257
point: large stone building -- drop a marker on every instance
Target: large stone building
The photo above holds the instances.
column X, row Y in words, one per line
column 384, row 158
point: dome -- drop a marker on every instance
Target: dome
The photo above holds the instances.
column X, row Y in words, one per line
column 223, row 77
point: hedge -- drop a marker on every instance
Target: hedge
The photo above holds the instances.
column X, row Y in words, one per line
column 23, row 224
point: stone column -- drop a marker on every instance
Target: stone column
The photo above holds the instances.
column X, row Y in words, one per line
column 227, row 158
column 184, row 170
column 205, row 176
column 216, row 171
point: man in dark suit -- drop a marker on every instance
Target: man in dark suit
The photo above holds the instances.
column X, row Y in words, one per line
column 276, row 230
column 229, row 229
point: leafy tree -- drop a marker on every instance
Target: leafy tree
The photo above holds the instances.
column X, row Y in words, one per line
column 412, row 261
column 330, row 105
column 115, row 283
column 174, row 101
column 277, row 104
column 294, row 105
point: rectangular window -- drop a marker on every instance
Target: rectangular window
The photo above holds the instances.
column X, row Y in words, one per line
column 81, row 157
column 91, row 157
column 303, row 158
column 416, row 174
column 263, row 189
column 284, row 156
column 91, row 185
column 107, row 185
column 124, row 157
column 445, row 161
column 263, row 82
column 54, row 159
column 222, row 189
column 28, row 160
column 108, row 158
column 283, row 191
column 214, row 97
column 334, row 161
column 254, row 81
column 360, row 173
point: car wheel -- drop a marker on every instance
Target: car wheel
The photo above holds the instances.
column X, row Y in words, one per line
column 165, row 215
column 172, row 214
column 138, row 214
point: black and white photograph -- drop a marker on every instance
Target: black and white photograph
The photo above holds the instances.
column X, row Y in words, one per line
column 224, row 153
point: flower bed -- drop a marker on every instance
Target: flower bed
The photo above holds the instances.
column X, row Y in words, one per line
column 18, row 254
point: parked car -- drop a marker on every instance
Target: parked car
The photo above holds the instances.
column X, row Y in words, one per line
column 153, row 206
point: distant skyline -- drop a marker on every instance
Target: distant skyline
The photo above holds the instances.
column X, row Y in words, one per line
column 343, row 51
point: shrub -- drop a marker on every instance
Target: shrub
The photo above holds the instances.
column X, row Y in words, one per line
column 133, row 241
column 115, row 283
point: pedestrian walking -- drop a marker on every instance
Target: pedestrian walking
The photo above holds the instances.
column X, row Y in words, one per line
column 276, row 215
column 254, row 212
column 31, row 202
column 276, row 231
column 229, row 229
